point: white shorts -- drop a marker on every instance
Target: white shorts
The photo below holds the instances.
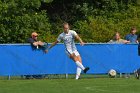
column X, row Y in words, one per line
column 68, row 52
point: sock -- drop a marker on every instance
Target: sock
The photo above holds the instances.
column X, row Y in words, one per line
column 80, row 65
column 78, row 72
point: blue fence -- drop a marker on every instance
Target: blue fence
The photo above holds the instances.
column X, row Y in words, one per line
column 20, row 59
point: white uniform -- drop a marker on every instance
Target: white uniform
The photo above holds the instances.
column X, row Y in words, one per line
column 68, row 40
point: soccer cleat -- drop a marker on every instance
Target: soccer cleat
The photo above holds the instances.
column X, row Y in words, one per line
column 77, row 78
column 86, row 69
column 136, row 74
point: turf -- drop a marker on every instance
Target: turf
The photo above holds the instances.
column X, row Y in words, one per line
column 94, row 85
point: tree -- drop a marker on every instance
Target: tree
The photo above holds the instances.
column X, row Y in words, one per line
column 18, row 18
column 95, row 20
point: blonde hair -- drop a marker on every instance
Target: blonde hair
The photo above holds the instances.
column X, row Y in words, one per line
column 65, row 23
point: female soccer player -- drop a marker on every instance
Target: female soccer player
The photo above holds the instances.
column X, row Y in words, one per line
column 68, row 36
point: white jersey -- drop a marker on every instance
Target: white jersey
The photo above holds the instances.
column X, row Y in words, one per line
column 68, row 40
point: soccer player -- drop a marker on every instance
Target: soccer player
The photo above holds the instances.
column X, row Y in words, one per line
column 68, row 36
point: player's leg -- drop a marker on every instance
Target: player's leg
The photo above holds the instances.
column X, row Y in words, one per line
column 75, row 56
column 76, row 53
column 78, row 72
column 76, row 60
column 79, row 62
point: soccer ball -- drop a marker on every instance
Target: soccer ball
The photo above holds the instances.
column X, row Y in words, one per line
column 112, row 73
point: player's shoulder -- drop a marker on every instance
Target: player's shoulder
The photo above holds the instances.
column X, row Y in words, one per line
column 62, row 34
column 72, row 31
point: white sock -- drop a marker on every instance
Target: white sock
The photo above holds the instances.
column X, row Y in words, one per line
column 80, row 65
column 78, row 72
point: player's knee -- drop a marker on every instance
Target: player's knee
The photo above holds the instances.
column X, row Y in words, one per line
column 71, row 56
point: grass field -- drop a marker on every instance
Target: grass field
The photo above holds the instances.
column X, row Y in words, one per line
column 92, row 85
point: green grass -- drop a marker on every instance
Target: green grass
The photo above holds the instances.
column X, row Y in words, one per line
column 92, row 85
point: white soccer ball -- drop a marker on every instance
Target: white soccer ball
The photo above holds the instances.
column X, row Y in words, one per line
column 112, row 73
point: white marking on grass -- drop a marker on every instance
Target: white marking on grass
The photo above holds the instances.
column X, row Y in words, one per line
column 100, row 90
column 113, row 85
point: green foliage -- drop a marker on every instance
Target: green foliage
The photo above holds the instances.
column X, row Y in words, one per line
column 18, row 18
column 98, row 20
column 94, row 20
column 101, row 28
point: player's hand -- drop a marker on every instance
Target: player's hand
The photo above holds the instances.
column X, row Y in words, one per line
column 82, row 43
column 46, row 51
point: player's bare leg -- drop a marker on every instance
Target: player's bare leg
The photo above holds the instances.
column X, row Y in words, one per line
column 80, row 67
column 80, row 60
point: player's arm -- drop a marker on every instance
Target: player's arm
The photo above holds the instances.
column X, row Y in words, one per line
column 79, row 39
column 52, row 45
